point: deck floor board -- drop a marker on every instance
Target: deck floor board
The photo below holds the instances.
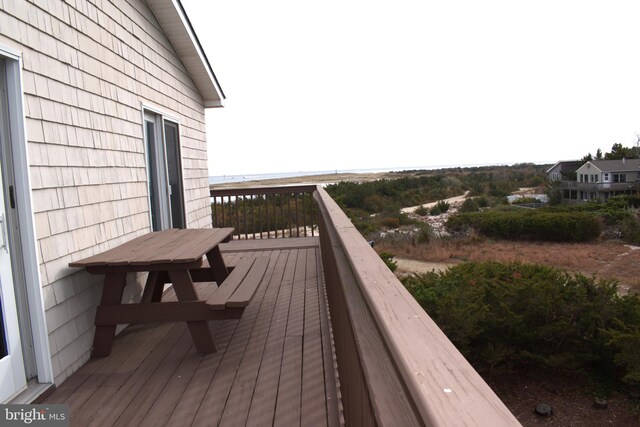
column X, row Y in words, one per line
column 290, row 384
column 271, row 367
column 263, row 404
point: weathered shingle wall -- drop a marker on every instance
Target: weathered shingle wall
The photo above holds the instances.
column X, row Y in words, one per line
column 89, row 66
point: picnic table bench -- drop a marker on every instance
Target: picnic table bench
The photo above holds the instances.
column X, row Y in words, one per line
column 177, row 257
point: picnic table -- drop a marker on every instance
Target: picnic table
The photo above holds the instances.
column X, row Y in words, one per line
column 179, row 257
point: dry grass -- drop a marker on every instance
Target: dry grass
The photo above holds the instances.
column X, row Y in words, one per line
column 608, row 259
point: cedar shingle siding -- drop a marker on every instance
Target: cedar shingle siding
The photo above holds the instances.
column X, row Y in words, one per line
column 86, row 74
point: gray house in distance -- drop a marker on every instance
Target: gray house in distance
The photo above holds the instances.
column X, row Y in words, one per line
column 102, row 139
column 596, row 179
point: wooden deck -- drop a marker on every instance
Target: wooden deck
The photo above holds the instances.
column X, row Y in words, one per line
column 274, row 366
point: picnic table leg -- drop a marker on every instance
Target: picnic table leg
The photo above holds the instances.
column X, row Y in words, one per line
column 153, row 288
column 220, row 272
column 111, row 295
column 185, row 291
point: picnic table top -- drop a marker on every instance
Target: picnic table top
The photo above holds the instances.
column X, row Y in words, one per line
column 173, row 246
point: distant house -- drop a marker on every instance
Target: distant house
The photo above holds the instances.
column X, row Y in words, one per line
column 596, row 179
column 102, row 113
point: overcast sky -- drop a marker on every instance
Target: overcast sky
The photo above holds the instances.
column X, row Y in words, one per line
column 354, row 84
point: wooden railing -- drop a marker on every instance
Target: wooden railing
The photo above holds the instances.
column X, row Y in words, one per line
column 395, row 366
column 266, row 212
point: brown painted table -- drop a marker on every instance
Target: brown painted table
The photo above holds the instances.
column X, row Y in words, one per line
column 169, row 256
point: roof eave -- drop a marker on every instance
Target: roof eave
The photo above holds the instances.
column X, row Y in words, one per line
column 176, row 25
column 213, row 104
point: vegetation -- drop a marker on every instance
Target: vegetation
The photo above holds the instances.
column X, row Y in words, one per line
column 618, row 215
column 440, row 208
column 525, row 200
column 421, row 210
column 504, row 316
column 264, row 213
column 529, row 225
column 387, row 258
column 618, row 151
column 374, row 206
column 507, row 316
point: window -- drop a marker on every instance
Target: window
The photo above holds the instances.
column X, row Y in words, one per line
column 164, row 169
column 619, row 177
column 606, row 177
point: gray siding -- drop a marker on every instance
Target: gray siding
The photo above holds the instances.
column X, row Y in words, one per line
column 88, row 68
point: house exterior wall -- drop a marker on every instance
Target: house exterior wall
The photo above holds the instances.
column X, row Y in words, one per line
column 87, row 72
column 599, row 180
column 589, row 173
column 554, row 173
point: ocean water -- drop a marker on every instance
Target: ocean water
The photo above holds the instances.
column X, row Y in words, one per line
column 221, row 179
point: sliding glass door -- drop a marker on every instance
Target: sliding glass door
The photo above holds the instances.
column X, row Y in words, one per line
column 164, row 171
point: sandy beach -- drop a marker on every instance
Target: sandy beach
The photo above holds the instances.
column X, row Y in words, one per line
column 328, row 178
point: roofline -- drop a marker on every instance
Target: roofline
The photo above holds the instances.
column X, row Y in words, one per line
column 199, row 46
column 623, row 165
column 562, row 161
column 549, row 170
column 174, row 22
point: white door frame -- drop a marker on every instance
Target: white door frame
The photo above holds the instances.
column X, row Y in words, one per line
column 158, row 116
column 24, row 203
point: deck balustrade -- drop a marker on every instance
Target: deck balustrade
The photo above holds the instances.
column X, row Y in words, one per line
column 266, row 212
column 395, row 366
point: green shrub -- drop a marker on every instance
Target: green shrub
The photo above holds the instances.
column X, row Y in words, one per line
column 525, row 200
column 510, row 315
column 404, row 219
column 530, row 225
column 363, row 221
column 469, row 205
column 439, row 208
column 630, row 229
column 625, row 338
column 482, row 202
column 387, row 257
column 443, row 206
column 421, row 210
column 425, row 234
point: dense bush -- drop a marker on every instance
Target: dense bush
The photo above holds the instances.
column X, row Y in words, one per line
column 411, row 188
column 421, row 210
column 482, row 201
column 525, row 200
column 530, row 225
column 613, row 211
column 469, row 205
column 510, row 315
column 424, row 235
column 440, row 208
column 630, row 229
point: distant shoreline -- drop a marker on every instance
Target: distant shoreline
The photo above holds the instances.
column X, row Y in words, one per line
column 327, row 177
column 235, row 179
